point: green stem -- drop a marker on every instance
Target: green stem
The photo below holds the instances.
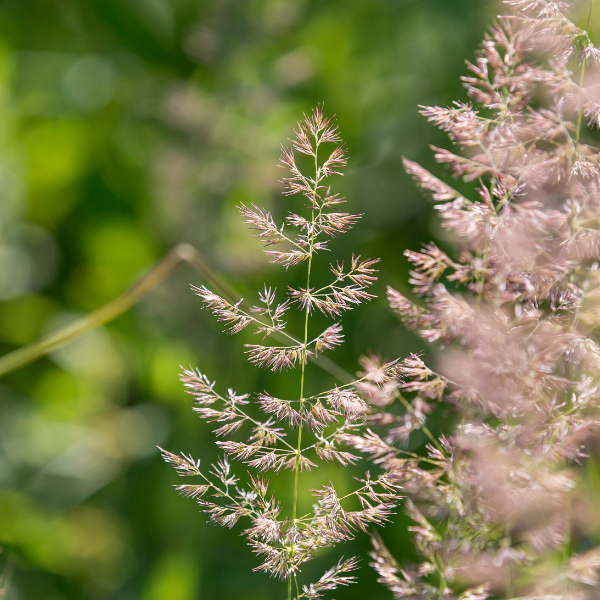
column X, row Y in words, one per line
column 510, row 592
column 307, row 313
column 580, row 115
column 7, row 573
column 577, row 136
column 302, row 386
column 299, row 447
column 424, row 428
column 442, row 587
column 567, row 543
column 181, row 253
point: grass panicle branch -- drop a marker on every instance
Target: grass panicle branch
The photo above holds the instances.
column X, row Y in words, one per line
column 322, row 422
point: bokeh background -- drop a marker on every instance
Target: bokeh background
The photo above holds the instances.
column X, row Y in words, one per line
column 126, row 127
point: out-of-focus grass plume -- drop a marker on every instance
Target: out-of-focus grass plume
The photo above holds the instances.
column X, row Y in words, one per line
column 126, row 127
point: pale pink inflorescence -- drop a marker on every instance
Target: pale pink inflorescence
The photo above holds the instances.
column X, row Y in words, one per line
column 282, row 539
column 501, row 505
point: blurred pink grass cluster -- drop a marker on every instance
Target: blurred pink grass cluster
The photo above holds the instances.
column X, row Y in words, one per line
column 501, row 505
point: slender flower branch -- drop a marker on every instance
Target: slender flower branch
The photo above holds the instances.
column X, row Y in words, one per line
column 284, row 544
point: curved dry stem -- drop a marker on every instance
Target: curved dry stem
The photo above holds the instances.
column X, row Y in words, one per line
column 182, row 253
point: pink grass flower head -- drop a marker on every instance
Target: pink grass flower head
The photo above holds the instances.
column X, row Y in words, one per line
column 270, row 434
column 514, row 303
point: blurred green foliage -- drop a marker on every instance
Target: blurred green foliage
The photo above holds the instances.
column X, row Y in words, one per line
column 127, row 126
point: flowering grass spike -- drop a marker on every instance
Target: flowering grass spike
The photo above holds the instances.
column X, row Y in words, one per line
column 282, row 539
